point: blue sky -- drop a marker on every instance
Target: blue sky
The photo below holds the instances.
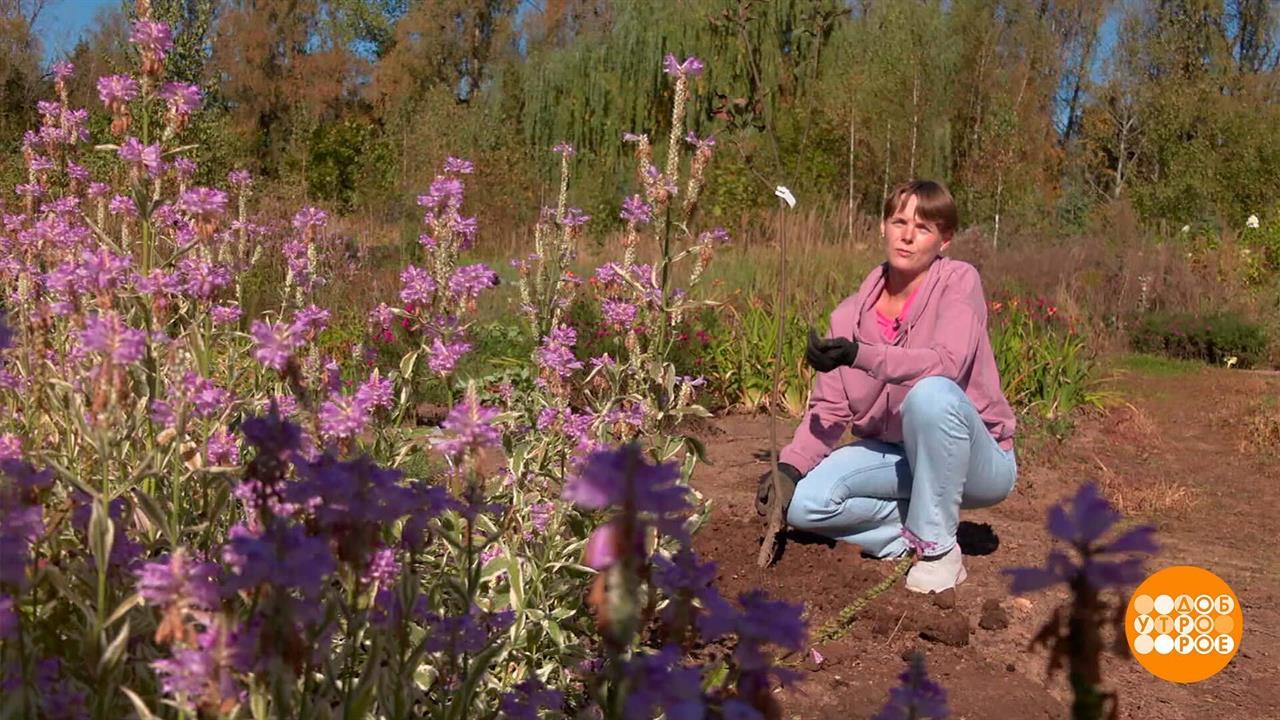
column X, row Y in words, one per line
column 63, row 21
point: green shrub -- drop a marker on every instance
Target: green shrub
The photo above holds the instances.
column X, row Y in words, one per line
column 1209, row 338
column 1046, row 367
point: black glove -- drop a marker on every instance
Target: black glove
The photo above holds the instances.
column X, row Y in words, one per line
column 764, row 490
column 829, row 354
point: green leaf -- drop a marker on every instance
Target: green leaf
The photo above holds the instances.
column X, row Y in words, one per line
column 140, row 707
column 115, row 650
column 124, row 607
column 461, row 707
column 152, row 511
column 102, row 534
column 698, row 448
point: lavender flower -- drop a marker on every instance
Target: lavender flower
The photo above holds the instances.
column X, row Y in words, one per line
column 182, row 98
column 63, row 70
column 309, row 218
column 530, row 696
column 444, row 356
column 1082, row 524
column 468, row 281
column 205, row 676
column 225, row 314
column 564, row 150
column 636, row 211
column 917, row 698
column 175, row 579
column 222, row 448
column 183, row 167
column 147, row 157
column 470, row 428
column 556, row 354
column 690, row 67
column 152, row 37
column 468, row 633
column 10, row 447
column 626, row 478
column 343, row 417
column 273, row 345
column 574, row 218
column 383, row 568
column 444, row 192
column 239, row 179
column 376, row 391
column 310, row 321
column 418, row 286
column 699, row 143
column 206, row 396
column 109, row 335
column 540, row 515
column 618, row 312
column 660, row 682
column 203, row 202
column 116, row 90
column 457, row 166
column 123, row 205
column 60, row 699
column 283, row 556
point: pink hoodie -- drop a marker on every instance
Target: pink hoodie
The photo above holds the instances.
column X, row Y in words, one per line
column 945, row 333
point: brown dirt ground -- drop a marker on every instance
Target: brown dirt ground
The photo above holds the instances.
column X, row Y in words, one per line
column 1167, row 451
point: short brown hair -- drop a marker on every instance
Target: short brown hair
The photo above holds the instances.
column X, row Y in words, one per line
column 933, row 204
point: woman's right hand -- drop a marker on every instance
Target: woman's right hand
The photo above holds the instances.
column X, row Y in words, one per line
column 825, row 355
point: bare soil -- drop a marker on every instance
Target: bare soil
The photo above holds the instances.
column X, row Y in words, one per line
column 1169, row 450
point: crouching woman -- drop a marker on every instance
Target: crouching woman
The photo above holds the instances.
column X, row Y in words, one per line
column 908, row 366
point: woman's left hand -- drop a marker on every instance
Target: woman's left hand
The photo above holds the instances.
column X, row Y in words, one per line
column 825, row 355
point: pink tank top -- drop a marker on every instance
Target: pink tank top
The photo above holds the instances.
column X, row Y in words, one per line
column 889, row 326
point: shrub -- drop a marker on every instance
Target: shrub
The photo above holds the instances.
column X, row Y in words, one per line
column 1210, row 338
column 1046, row 368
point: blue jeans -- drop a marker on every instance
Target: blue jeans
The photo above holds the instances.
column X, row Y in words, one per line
column 866, row 492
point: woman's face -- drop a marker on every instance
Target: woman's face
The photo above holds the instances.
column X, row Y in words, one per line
column 911, row 243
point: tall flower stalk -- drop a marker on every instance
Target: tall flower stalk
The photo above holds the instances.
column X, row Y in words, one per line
column 1096, row 573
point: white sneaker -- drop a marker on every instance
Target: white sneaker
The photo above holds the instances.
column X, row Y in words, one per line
column 937, row 574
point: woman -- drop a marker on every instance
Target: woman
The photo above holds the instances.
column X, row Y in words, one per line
column 908, row 365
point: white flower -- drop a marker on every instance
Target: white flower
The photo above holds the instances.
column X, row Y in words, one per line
column 1186, row 228
column 1252, row 222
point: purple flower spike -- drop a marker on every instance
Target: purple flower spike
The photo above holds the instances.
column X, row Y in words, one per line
column 917, row 698
column 273, row 345
column 176, row 580
column 203, row 202
column 690, row 67
column 470, row 427
column 528, row 698
column 153, row 37
column 116, row 90
column 182, row 98
column 636, row 210
column 612, row 478
column 1082, row 521
column 458, row 166
column 1089, row 517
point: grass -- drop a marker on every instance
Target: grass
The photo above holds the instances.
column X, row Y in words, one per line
column 1155, row 365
